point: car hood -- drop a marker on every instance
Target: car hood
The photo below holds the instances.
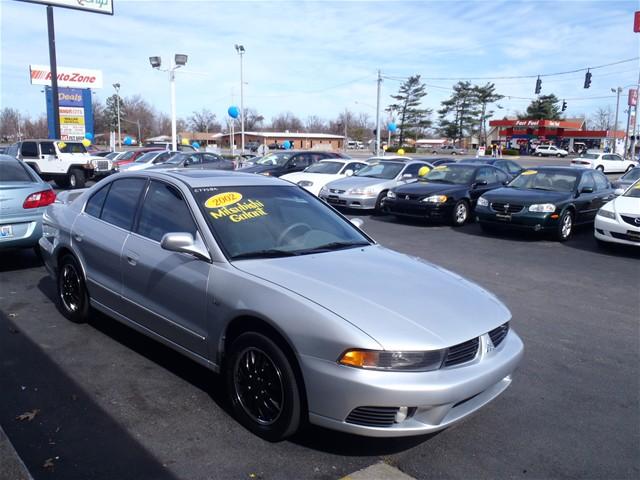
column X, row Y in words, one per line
column 626, row 205
column 429, row 188
column 310, row 177
column 259, row 168
column 354, row 181
column 525, row 196
column 404, row 303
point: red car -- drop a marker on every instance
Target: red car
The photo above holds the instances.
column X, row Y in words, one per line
column 131, row 155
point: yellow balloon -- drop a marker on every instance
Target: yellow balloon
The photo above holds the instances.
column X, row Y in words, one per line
column 86, row 142
column 384, row 147
column 61, row 145
column 401, row 151
column 185, row 141
column 423, row 171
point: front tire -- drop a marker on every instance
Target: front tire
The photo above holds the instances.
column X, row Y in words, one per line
column 262, row 387
column 380, row 199
column 73, row 298
column 565, row 226
column 460, row 213
column 76, row 178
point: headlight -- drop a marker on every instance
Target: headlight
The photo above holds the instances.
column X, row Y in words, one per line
column 482, row 202
column 435, row 199
column 543, row 208
column 324, row 190
column 383, row 360
column 391, row 194
column 362, row 191
column 607, row 214
column 266, row 174
column 305, row 183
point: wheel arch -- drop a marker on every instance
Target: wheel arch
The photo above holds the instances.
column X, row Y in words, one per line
column 62, row 252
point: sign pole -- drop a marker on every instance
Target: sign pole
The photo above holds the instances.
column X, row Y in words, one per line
column 54, row 72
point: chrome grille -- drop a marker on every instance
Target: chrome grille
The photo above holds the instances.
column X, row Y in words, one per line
column 373, row 416
column 497, row 334
column 506, row 207
column 631, row 220
column 461, row 353
column 102, row 165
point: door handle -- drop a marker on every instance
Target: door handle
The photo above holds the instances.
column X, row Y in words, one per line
column 132, row 258
column 78, row 237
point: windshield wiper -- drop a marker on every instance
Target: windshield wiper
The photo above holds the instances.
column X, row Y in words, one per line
column 268, row 253
column 327, row 247
column 542, row 188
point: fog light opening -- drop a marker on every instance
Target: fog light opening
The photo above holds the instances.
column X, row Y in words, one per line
column 537, row 228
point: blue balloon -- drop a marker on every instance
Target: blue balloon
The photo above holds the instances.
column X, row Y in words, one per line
column 128, row 140
column 233, row 111
column 195, row 145
column 88, row 136
column 287, row 144
column 392, row 127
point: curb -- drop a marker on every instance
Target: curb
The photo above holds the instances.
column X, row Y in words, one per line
column 13, row 467
column 379, row 471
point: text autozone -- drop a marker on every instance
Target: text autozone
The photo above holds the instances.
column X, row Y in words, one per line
column 63, row 77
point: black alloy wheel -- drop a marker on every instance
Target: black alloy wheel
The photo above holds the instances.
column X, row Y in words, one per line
column 72, row 293
column 262, row 386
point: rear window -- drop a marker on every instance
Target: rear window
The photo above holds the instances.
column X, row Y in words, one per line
column 14, row 172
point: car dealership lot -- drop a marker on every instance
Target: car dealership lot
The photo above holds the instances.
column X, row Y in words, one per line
column 113, row 404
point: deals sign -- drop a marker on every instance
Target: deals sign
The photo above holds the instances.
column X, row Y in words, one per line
column 633, row 97
column 67, row 77
column 95, row 6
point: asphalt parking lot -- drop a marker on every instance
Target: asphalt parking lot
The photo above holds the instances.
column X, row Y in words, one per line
column 113, row 404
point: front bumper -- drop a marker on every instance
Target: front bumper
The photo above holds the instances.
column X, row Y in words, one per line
column 418, row 209
column 614, row 231
column 358, row 202
column 25, row 231
column 523, row 220
column 437, row 399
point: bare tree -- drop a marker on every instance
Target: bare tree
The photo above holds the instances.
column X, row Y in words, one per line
column 204, row 121
column 9, row 124
column 315, row 124
column 286, row 121
column 602, row 118
column 37, row 128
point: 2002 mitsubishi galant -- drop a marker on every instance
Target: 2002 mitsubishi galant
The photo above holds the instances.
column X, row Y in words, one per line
column 306, row 316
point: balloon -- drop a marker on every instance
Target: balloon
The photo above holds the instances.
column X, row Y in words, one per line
column 185, row 141
column 287, row 144
column 384, row 147
column 423, row 171
column 233, row 111
column 86, row 142
column 128, row 140
column 88, row 136
column 195, row 145
column 61, row 145
column 401, row 151
column 392, row 127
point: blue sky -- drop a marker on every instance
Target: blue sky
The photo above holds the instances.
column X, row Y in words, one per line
column 318, row 58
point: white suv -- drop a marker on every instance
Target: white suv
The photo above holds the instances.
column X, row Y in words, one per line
column 66, row 162
column 550, row 151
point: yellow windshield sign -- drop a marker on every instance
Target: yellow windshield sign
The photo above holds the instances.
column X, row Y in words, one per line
column 223, row 200
column 441, row 167
column 529, row 172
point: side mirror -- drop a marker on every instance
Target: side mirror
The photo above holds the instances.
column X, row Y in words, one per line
column 358, row 222
column 480, row 183
column 183, row 242
column 586, row 190
column 407, row 175
column 618, row 191
column 348, row 173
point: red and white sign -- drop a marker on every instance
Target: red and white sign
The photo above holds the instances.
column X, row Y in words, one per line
column 636, row 22
column 633, row 97
column 67, row 77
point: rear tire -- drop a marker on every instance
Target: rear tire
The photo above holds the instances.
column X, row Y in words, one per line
column 73, row 298
column 262, row 387
column 600, row 168
column 559, row 155
column 76, row 178
column 378, row 207
column 538, row 154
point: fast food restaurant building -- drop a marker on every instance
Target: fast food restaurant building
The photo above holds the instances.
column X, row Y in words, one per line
column 569, row 134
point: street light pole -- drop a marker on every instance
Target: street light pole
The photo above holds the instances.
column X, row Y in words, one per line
column 116, row 87
column 378, row 115
column 240, row 49
column 615, row 127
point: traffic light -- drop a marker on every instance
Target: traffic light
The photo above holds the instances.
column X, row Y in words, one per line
column 587, row 79
column 538, row 85
column 564, row 105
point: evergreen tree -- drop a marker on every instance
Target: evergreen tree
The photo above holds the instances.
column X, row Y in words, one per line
column 485, row 96
column 463, row 106
column 544, row 108
column 412, row 119
column 111, row 111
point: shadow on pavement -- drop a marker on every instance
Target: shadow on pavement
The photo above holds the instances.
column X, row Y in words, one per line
column 75, row 435
column 18, row 259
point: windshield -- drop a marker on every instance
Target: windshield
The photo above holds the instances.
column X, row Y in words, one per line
column 177, row 159
column 456, row 174
column 273, row 159
column 147, row 157
column 632, row 175
column 268, row 221
column 633, row 191
column 385, row 170
column 545, row 180
column 71, row 147
column 330, row 168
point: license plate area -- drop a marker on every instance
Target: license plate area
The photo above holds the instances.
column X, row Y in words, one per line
column 333, row 199
column 6, row 231
column 635, row 236
column 505, row 217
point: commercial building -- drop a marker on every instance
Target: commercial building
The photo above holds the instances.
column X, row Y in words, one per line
column 307, row 141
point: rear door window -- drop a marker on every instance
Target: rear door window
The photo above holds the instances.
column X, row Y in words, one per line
column 29, row 149
column 164, row 211
column 14, row 171
column 122, row 200
column 601, row 181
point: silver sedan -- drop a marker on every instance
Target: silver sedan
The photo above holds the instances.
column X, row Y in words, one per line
column 257, row 279
column 366, row 189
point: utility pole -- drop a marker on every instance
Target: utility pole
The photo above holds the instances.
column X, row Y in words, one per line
column 345, row 131
column 626, row 132
column 615, row 127
column 54, row 72
column 378, row 115
column 240, row 49
column 116, row 87
column 635, row 121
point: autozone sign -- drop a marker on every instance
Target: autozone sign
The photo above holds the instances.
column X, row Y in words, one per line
column 95, row 6
column 67, row 77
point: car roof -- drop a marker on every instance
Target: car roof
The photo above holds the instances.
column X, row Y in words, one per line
column 208, row 178
column 8, row 158
column 559, row 168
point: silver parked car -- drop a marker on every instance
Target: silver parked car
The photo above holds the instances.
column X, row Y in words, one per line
column 449, row 150
column 23, row 198
column 257, row 279
column 367, row 188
